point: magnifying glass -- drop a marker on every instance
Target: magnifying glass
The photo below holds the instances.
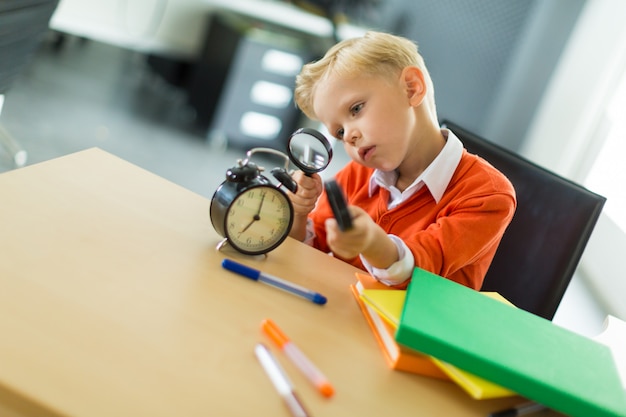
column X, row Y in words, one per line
column 309, row 150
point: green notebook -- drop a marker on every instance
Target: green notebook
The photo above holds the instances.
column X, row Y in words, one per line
column 511, row 347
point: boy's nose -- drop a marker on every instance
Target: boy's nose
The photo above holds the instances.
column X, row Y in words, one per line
column 353, row 136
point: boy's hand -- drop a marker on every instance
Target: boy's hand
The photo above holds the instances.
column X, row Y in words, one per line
column 309, row 190
column 365, row 238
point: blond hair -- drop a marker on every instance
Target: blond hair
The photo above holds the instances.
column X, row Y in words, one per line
column 374, row 54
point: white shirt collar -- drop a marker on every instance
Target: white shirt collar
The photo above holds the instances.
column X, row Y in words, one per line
column 436, row 176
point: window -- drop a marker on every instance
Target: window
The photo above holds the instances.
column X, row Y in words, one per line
column 579, row 131
column 608, row 173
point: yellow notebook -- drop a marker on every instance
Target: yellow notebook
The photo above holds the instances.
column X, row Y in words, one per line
column 477, row 387
column 388, row 303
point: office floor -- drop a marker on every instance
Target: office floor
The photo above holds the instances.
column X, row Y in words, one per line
column 90, row 94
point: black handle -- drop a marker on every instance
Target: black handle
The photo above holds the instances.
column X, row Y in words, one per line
column 338, row 205
column 285, row 179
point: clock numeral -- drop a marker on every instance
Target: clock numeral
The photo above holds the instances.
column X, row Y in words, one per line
column 279, row 206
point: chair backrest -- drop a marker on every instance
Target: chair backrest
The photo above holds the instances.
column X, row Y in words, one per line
column 542, row 246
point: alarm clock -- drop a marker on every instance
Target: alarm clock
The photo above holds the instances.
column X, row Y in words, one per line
column 252, row 213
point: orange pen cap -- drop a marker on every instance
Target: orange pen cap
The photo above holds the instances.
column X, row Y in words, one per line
column 274, row 333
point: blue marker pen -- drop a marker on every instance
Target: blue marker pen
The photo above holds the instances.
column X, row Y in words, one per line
column 257, row 275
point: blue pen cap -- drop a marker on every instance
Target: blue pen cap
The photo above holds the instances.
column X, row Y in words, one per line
column 241, row 269
column 319, row 299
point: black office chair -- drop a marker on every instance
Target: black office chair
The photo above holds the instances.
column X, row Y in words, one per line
column 23, row 24
column 542, row 246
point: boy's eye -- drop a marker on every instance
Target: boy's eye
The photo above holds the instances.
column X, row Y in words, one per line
column 356, row 108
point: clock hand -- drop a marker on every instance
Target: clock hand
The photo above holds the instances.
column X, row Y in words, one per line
column 258, row 212
column 254, row 219
column 256, row 216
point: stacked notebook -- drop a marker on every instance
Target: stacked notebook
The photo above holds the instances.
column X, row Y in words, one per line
column 507, row 346
column 382, row 307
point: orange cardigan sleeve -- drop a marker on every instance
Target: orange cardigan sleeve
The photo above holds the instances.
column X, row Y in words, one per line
column 456, row 237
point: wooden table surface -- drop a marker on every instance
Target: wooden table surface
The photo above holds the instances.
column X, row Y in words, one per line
column 113, row 303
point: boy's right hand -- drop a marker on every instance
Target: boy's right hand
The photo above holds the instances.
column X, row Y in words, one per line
column 365, row 238
column 309, row 190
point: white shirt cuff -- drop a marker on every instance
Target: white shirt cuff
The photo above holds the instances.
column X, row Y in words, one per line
column 399, row 271
column 310, row 233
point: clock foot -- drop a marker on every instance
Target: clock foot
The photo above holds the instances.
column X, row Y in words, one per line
column 222, row 243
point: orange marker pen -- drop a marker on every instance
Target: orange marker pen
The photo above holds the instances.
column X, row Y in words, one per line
column 297, row 357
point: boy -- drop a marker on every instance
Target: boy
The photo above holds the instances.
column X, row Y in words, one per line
column 416, row 196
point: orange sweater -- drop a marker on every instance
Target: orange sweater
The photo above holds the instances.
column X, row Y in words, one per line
column 455, row 238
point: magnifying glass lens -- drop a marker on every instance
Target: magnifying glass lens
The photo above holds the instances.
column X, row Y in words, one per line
column 309, row 150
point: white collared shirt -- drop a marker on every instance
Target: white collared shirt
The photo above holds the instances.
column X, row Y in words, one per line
column 436, row 177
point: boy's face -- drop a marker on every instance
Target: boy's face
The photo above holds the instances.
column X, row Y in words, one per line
column 373, row 117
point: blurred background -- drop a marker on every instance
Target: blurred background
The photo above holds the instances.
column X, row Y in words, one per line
column 183, row 88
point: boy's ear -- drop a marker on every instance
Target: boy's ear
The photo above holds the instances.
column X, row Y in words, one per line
column 414, row 84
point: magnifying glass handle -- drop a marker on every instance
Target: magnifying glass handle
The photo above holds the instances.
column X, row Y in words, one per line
column 338, row 205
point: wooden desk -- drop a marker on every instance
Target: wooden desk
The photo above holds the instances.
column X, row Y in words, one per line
column 113, row 303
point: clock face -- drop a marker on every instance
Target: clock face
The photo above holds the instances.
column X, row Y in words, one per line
column 258, row 219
